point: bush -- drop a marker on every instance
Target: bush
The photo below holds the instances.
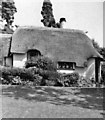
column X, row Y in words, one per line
column 70, row 80
column 37, row 80
column 33, row 76
column 23, row 73
column 43, row 63
column 37, row 77
column 84, row 82
column 47, row 70
column 19, row 76
column 50, row 78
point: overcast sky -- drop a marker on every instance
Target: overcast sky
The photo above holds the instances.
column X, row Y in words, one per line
column 87, row 16
column 104, row 25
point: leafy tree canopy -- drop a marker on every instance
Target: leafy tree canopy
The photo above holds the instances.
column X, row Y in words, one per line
column 48, row 17
column 47, row 13
column 102, row 52
column 98, row 48
column 8, row 11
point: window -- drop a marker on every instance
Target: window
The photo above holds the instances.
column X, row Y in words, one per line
column 32, row 54
column 66, row 65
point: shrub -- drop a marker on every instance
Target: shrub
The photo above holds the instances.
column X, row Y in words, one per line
column 19, row 75
column 37, row 76
column 37, row 80
column 84, row 82
column 31, row 75
column 46, row 69
column 6, row 75
column 23, row 73
column 70, row 79
column 43, row 63
column 49, row 77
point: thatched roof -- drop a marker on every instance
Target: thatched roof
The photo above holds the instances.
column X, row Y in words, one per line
column 4, row 45
column 58, row 44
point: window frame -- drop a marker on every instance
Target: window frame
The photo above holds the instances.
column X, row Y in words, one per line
column 35, row 53
column 71, row 65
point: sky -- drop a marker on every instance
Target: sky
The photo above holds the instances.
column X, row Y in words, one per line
column 83, row 15
column 104, row 25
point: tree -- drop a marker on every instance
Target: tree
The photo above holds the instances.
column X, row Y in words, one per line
column 47, row 13
column 102, row 52
column 48, row 17
column 8, row 11
column 98, row 48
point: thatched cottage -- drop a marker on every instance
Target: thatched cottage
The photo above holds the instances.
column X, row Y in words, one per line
column 71, row 49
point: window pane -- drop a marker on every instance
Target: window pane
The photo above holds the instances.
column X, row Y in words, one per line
column 66, row 65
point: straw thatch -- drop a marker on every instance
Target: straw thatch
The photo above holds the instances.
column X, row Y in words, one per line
column 57, row 44
column 4, row 45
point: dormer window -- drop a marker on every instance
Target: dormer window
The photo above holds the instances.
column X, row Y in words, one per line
column 32, row 54
column 66, row 65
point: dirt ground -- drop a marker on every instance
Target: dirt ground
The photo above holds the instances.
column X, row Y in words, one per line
column 51, row 102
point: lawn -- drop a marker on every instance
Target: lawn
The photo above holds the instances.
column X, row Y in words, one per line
column 51, row 102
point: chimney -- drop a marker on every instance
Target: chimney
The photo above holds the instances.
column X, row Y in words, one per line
column 62, row 22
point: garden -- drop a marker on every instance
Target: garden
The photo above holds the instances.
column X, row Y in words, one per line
column 39, row 91
column 42, row 71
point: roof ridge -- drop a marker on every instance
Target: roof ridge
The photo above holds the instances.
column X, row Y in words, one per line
column 53, row 29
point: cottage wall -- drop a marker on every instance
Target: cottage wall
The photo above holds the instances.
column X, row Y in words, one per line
column 19, row 60
column 87, row 72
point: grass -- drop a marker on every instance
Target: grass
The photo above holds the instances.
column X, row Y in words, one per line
column 38, row 102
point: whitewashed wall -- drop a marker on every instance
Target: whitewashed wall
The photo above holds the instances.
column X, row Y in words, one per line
column 19, row 60
column 87, row 72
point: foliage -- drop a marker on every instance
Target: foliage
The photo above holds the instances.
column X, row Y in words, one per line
column 31, row 76
column 50, row 77
column 102, row 52
column 36, row 77
column 98, row 48
column 47, row 13
column 43, row 63
column 20, row 76
column 47, row 69
column 48, row 17
column 25, row 74
column 70, row 79
column 43, row 76
column 8, row 11
column 84, row 82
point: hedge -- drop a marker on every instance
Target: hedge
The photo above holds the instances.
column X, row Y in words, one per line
column 19, row 75
column 35, row 76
